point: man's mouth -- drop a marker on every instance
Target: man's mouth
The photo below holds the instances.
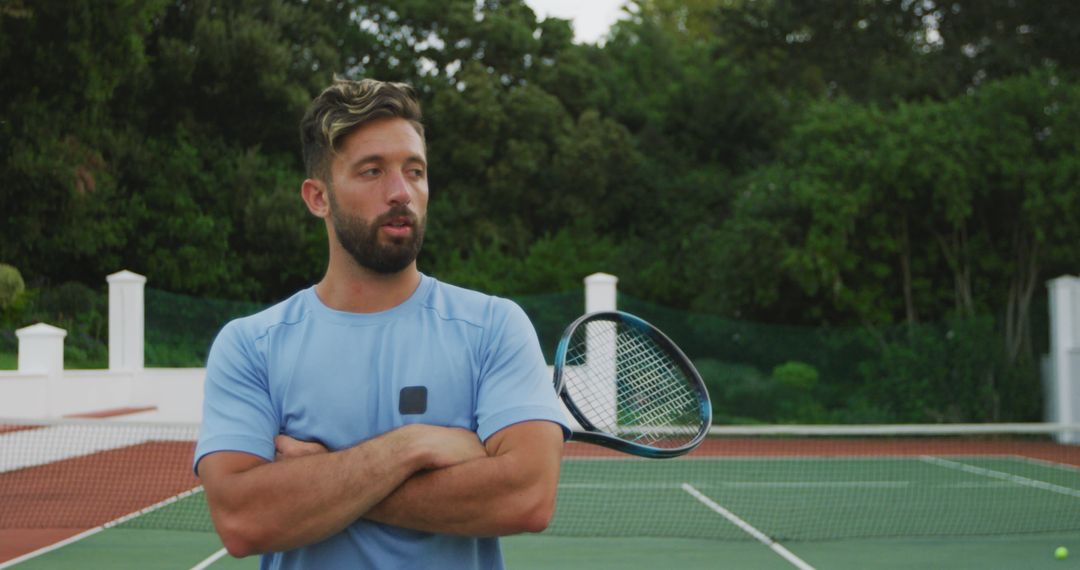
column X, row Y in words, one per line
column 398, row 226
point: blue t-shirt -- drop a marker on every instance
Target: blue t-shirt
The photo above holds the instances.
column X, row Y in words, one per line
column 446, row 356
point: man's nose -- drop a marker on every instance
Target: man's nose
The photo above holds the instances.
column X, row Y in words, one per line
column 397, row 191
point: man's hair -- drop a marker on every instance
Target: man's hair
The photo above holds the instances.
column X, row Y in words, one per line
column 345, row 106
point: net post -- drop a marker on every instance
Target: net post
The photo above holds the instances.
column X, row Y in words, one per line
column 126, row 322
column 1064, row 361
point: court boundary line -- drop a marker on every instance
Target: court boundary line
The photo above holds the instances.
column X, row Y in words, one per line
column 804, row 458
column 748, row 528
column 1047, row 463
column 1010, row 477
column 210, row 560
column 92, row 531
column 744, row 484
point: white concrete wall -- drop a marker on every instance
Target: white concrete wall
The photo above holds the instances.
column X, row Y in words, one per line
column 24, row 395
column 41, row 388
column 175, row 392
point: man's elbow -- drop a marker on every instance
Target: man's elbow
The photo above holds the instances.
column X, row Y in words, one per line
column 237, row 547
column 237, row 542
column 239, row 537
column 537, row 521
column 536, row 513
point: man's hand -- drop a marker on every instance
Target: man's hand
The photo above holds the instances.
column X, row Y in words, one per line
column 286, row 448
column 449, row 446
column 511, row 490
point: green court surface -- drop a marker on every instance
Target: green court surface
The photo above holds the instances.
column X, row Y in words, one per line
column 152, row 549
column 136, row 548
column 1029, row 553
column 918, row 511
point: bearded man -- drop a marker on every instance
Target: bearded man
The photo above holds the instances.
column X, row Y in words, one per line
column 380, row 418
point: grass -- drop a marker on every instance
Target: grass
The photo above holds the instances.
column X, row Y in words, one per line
column 75, row 359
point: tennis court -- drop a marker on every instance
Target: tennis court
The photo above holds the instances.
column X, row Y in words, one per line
column 965, row 498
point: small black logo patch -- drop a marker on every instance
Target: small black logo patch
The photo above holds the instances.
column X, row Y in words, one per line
column 413, row 400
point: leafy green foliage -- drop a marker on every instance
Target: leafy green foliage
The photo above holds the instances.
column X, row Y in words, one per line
column 739, row 393
column 9, row 361
column 953, row 372
column 881, row 165
column 11, row 285
column 72, row 306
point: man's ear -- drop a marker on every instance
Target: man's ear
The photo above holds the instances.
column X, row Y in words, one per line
column 314, row 192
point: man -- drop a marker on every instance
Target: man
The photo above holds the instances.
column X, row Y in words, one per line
column 380, row 419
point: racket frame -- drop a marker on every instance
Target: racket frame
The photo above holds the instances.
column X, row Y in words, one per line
column 596, row 436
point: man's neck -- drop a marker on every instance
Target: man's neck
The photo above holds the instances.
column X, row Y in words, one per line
column 359, row 290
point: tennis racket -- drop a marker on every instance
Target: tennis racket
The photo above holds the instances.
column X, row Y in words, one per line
column 629, row 387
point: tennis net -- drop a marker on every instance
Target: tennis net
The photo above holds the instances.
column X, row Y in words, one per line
column 787, row 482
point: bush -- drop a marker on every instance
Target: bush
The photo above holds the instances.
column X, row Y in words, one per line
column 943, row 372
column 11, row 286
column 795, row 398
column 78, row 309
column 796, row 376
column 740, row 393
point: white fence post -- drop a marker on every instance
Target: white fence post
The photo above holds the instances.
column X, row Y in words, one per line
column 41, row 349
column 1064, row 364
column 126, row 326
column 600, row 292
column 600, row 295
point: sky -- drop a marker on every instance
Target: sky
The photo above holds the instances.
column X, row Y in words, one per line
column 591, row 18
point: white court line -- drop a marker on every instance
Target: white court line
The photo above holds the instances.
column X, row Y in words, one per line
column 747, row 485
column 212, row 559
column 1045, row 463
column 93, row 531
column 748, row 528
column 1001, row 475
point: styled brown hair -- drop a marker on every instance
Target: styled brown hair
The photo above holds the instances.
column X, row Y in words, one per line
column 345, row 106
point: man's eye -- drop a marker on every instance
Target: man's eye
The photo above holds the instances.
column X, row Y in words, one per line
column 417, row 172
column 369, row 172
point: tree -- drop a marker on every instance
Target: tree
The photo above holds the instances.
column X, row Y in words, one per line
column 67, row 67
column 930, row 211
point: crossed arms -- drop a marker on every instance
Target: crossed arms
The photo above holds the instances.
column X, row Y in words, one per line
column 422, row 477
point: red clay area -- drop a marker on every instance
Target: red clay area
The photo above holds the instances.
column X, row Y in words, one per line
column 11, row 428
column 16, row 542
column 112, row 413
column 810, row 447
column 49, row 502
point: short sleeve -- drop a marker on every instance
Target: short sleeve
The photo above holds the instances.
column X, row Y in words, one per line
column 238, row 414
column 515, row 384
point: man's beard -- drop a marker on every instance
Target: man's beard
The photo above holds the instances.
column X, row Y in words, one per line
column 361, row 239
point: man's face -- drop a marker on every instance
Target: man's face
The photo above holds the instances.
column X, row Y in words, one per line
column 378, row 196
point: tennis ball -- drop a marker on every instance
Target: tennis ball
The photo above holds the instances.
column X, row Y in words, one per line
column 1061, row 552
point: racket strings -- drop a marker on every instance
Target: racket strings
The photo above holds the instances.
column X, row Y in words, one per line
column 626, row 384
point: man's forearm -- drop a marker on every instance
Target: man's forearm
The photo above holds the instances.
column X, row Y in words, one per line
column 261, row 507
column 506, row 493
